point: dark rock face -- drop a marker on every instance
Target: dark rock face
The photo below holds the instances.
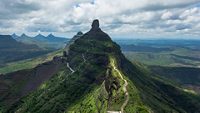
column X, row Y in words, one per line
column 96, row 32
column 95, row 24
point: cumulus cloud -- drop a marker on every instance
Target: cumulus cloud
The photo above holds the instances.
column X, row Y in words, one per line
column 119, row 17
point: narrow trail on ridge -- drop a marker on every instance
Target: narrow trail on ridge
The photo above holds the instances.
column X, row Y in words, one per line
column 124, row 89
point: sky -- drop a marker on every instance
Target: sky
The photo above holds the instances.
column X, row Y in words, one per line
column 119, row 18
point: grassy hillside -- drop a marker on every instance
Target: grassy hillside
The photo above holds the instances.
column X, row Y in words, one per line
column 159, row 94
column 18, row 84
column 28, row 63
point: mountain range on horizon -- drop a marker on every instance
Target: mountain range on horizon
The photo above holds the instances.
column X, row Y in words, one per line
column 92, row 76
column 12, row 50
column 42, row 41
column 39, row 34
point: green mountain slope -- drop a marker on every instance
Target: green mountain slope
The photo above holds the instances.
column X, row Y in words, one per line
column 95, row 77
column 11, row 50
column 29, row 63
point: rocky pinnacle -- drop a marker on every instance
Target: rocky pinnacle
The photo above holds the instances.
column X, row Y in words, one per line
column 95, row 25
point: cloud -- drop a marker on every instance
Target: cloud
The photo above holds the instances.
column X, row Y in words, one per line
column 121, row 17
column 10, row 9
column 167, row 15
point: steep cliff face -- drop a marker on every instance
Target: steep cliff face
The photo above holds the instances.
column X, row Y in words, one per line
column 95, row 77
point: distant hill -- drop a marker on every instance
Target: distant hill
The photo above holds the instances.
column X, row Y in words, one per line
column 162, row 52
column 15, row 36
column 25, row 39
column 141, row 48
column 40, row 37
column 42, row 41
column 53, row 38
column 186, row 76
column 11, row 50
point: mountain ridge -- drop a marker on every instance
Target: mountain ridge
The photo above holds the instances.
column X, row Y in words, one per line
column 96, row 77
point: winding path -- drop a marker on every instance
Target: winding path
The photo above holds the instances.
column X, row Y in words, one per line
column 67, row 51
column 124, row 89
column 70, row 68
